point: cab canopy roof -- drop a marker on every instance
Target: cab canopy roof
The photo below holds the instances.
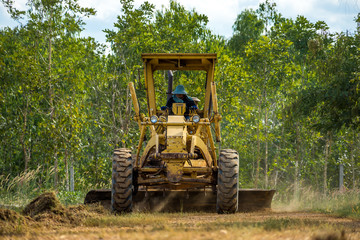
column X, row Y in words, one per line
column 180, row 61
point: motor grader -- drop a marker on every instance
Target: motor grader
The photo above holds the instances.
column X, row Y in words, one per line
column 179, row 163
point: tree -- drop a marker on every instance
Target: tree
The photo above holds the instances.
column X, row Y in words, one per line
column 40, row 66
column 247, row 27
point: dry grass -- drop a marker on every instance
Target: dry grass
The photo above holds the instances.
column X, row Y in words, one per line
column 100, row 224
column 16, row 192
column 47, row 218
column 290, row 220
column 342, row 204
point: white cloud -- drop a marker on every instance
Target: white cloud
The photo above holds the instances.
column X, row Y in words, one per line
column 221, row 14
column 104, row 9
column 295, row 7
column 5, row 19
column 20, row 4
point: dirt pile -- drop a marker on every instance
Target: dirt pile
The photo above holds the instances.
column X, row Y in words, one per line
column 8, row 215
column 11, row 222
column 46, row 212
column 46, row 202
column 47, row 208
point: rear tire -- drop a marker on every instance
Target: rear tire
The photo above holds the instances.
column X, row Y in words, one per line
column 122, row 181
column 228, row 182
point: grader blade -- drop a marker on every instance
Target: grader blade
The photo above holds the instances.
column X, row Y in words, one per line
column 185, row 201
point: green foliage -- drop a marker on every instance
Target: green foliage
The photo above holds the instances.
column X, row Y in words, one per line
column 71, row 198
column 334, row 96
column 247, row 27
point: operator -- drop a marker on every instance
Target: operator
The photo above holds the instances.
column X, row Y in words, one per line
column 180, row 96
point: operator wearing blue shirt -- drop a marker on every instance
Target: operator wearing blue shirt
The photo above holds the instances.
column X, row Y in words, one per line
column 180, row 96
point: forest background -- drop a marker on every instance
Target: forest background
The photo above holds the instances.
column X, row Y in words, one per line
column 288, row 91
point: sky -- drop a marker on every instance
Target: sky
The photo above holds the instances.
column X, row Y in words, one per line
column 338, row 14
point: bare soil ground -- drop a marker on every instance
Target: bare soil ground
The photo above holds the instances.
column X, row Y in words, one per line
column 95, row 222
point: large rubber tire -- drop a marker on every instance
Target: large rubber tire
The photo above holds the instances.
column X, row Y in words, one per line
column 228, row 182
column 122, row 181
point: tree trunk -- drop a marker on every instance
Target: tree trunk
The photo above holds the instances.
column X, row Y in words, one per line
column 96, row 163
column 258, row 150
column 325, row 168
column 296, row 180
column 353, row 163
column 275, row 167
column 326, row 159
column 51, row 90
column 26, row 151
column 297, row 160
column 266, row 146
column 72, row 177
column 277, row 157
column 127, row 115
column 253, row 165
column 67, row 185
column 56, row 172
column 51, row 97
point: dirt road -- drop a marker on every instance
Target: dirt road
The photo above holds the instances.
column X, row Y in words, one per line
column 259, row 225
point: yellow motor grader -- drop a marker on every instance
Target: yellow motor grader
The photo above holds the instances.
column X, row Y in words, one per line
column 179, row 165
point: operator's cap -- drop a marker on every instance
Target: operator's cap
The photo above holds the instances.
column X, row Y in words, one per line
column 195, row 99
column 180, row 89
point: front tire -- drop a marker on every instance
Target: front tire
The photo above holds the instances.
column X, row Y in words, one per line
column 228, row 182
column 122, row 181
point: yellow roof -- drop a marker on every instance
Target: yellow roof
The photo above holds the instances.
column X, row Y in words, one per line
column 180, row 61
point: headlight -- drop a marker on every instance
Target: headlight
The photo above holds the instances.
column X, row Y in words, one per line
column 154, row 119
column 196, row 118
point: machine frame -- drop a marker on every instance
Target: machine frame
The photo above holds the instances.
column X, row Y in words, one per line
column 183, row 171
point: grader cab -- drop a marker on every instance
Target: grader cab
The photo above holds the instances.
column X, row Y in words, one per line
column 179, row 165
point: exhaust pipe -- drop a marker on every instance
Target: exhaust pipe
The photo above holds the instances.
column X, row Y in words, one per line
column 170, row 84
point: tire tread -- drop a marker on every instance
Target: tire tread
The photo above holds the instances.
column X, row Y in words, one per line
column 122, row 182
column 228, row 182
